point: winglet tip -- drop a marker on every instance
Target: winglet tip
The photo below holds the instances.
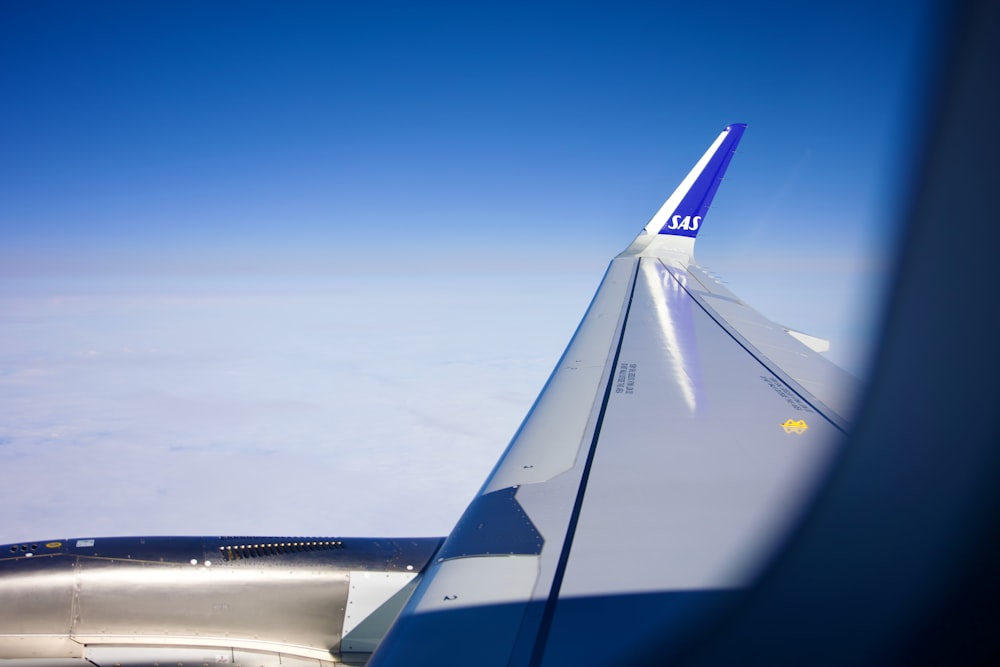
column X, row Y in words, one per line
column 682, row 214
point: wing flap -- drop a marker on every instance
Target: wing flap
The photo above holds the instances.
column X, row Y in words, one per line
column 719, row 475
column 825, row 382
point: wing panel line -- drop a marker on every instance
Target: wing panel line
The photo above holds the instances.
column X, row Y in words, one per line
column 810, row 400
column 545, row 625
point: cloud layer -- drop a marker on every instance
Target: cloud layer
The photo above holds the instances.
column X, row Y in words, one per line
column 347, row 407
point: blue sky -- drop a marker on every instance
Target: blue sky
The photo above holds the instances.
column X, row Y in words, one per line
column 332, row 249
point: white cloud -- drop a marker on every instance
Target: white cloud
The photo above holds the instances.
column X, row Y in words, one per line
column 343, row 408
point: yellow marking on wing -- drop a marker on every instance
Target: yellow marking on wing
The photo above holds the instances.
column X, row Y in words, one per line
column 795, row 426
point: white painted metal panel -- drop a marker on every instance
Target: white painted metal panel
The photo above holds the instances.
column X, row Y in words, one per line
column 719, row 477
column 373, row 602
column 548, row 442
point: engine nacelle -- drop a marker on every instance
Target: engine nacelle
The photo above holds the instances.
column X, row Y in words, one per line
column 248, row 601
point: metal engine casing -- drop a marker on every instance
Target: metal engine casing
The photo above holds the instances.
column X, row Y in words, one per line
column 248, row 601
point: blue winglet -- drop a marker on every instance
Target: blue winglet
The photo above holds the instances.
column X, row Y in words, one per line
column 698, row 189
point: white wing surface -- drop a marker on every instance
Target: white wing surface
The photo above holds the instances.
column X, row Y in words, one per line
column 667, row 454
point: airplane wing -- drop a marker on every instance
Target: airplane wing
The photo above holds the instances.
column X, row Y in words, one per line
column 671, row 448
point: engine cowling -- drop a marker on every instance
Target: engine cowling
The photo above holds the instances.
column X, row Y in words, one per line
column 248, row 601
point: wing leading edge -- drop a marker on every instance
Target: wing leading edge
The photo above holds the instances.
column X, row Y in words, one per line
column 671, row 446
